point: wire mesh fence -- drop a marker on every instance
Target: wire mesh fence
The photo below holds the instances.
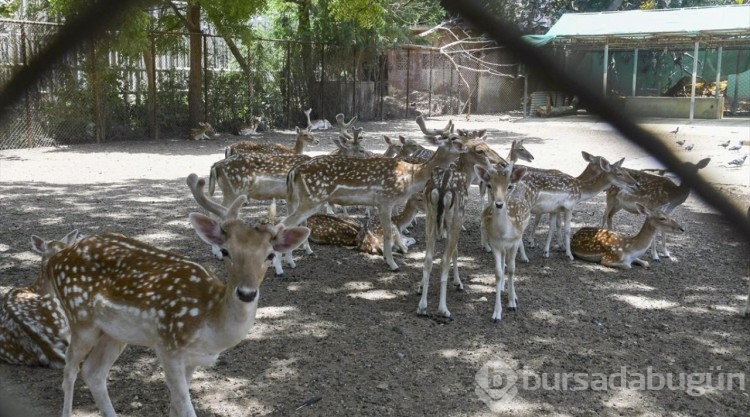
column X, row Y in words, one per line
column 101, row 94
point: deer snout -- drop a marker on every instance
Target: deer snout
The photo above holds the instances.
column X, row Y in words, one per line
column 499, row 204
column 246, row 295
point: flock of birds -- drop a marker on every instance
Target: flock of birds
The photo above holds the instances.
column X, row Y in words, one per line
column 727, row 144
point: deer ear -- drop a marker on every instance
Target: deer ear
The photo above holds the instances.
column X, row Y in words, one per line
column 207, row 228
column 38, row 244
column 703, row 163
column 586, row 156
column 482, row 173
column 641, row 209
column 70, row 238
column 289, row 239
column 518, row 174
column 604, row 165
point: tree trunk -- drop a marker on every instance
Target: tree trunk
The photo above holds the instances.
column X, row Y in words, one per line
column 305, row 32
column 148, row 59
column 195, row 105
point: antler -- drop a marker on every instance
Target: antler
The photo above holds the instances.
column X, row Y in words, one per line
column 197, row 187
column 434, row 132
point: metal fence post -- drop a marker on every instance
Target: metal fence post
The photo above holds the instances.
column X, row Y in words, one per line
column 429, row 95
column 408, row 79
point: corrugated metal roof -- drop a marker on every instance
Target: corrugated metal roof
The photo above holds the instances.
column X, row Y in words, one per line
column 729, row 20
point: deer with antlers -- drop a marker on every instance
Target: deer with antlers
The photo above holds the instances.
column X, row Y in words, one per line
column 502, row 225
column 378, row 181
column 117, row 291
column 654, row 192
column 445, row 196
column 614, row 250
column 33, row 328
column 304, row 136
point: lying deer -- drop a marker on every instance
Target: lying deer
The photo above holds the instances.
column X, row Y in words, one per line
column 317, row 124
column 202, row 132
column 304, row 136
column 33, row 328
column 502, row 226
column 117, row 291
column 654, row 192
column 327, row 229
column 615, row 250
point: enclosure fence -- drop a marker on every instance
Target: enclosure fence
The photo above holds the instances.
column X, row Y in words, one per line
column 97, row 93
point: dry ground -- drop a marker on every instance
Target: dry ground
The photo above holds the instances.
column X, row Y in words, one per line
column 342, row 328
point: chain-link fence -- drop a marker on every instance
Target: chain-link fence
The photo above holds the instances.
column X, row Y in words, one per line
column 101, row 94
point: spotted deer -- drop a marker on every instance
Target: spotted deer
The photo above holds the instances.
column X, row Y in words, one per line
column 33, row 328
column 502, row 226
column 407, row 149
column 343, row 125
column 202, row 132
column 517, row 152
column 445, row 196
column 317, row 124
column 304, row 136
column 351, row 145
column 615, row 250
column 381, row 182
column 327, row 229
column 654, row 192
column 554, row 191
column 116, row 291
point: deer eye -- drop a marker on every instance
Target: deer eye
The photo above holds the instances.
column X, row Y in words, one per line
column 225, row 253
column 270, row 256
column 510, row 186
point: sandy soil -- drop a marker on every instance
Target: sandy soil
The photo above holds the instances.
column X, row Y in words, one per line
column 342, row 329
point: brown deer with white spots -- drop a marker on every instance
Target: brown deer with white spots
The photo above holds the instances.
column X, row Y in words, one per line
column 655, row 191
column 117, row 291
column 445, row 196
column 502, row 226
column 351, row 145
column 33, row 328
column 517, row 152
column 303, row 137
column 556, row 192
column 407, row 149
column 204, row 131
column 615, row 250
column 327, row 229
column 381, row 182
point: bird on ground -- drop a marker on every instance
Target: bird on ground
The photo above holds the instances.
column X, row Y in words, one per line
column 680, row 142
column 724, row 144
column 738, row 161
column 689, row 147
column 736, row 147
column 677, row 129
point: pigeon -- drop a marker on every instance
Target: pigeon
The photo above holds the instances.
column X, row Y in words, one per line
column 689, row 147
column 724, row 144
column 680, row 142
column 677, row 129
column 736, row 147
column 738, row 161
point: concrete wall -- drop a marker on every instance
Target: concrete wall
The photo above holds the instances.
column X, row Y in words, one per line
column 675, row 107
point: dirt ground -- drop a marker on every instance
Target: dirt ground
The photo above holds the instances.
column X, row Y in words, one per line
column 339, row 335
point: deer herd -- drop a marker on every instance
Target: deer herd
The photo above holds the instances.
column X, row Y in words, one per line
column 96, row 294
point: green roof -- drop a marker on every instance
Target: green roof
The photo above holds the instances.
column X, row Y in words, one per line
column 699, row 23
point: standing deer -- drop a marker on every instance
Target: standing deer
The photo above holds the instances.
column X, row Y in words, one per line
column 614, row 250
column 517, row 152
column 552, row 191
column 381, row 182
column 117, row 291
column 502, row 226
column 654, row 192
column 317, row 124
column 445, row 196
column 304, row 136
column 33, row 328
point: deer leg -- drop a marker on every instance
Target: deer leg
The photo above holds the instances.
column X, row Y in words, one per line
column 664, row 249
column 298, row 216
column 96, row 368
column 385, row 221
column 511, row 272
column 175, row 374
column 429, row 235
column 552, row 228
column 456, row 279
column 522, row 251
column 497, row 314
column 81, row 343
column 566, row 235
column 534, row 225
column 654, row 251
